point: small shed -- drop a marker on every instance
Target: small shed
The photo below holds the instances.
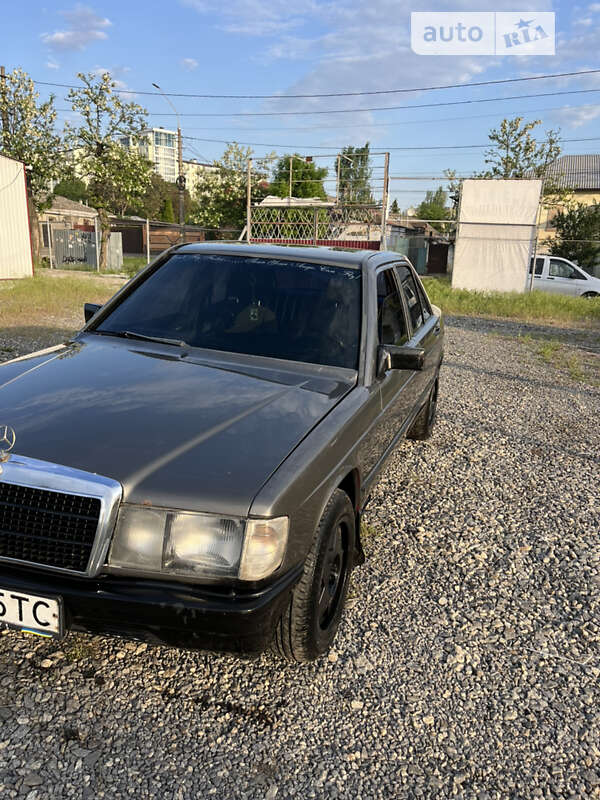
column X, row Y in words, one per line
column 15, row 241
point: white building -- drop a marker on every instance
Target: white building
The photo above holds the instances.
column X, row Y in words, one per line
column 159, row 146
column 15, row 240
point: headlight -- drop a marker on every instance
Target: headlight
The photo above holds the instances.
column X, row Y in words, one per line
column 197, row 545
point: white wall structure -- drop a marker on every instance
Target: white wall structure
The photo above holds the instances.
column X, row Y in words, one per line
column 496, row 234
column 15, row 242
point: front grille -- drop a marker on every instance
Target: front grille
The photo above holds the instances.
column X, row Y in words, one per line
column 46, row 527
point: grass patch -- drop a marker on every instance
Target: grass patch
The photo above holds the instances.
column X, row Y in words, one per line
column 79, row 649
column 131, row 266
column 54, row 300
column 581, row 367
column 367, row 532
column 529, row 306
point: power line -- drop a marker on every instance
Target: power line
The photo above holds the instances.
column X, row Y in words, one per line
column 371, row 108
column 281, row 96
column 389, row 124
column 380, row 147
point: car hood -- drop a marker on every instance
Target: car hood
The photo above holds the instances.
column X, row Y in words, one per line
column 199, row 429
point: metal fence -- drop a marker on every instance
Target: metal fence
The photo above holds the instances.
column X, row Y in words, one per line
column 76, row 249
column 132, row 242
column 358, row 226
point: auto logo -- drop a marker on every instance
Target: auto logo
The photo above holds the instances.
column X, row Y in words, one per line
column 7, row 441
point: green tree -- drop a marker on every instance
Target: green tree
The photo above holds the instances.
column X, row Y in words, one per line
column 152, row 202
column 219, row 198
column 394, row 207
column 307, row 178
column 578, row 234
column 73, row 188
column 453, row 190
column 434, row 207
column 117, row 177
column 515, row 153
column 168, row 215
column 355, row 172
column 28, row 134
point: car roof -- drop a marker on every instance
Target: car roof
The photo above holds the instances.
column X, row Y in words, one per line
column 338, row 256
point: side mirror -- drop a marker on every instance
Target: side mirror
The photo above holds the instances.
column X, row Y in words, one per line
column 391, row 356
column 89, row 309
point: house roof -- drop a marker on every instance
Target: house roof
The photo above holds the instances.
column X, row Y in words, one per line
column 576, row 172
column 62, row 205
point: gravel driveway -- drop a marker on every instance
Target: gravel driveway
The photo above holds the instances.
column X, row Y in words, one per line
column 467, row 665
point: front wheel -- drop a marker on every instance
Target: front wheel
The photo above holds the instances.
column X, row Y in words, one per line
column 309, row 624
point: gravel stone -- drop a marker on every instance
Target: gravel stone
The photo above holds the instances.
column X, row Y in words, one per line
column 492, row 694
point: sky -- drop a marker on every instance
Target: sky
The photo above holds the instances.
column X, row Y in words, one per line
column 253, row 47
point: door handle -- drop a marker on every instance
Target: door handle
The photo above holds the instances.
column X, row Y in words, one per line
column 550, row 278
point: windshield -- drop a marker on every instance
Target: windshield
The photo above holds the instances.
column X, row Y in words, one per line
column 292, row 310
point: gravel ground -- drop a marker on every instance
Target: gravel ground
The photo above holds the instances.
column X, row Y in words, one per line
column 467, row 664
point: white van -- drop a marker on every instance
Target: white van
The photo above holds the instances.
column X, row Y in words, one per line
column 559, row 276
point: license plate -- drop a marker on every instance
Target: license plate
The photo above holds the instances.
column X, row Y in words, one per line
column 31, row 613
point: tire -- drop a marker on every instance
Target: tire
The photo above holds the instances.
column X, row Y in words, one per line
column 424, row 421
column 308, row 626
column 590, row 294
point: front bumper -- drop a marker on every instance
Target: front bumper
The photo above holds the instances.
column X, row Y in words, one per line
column 179, row 615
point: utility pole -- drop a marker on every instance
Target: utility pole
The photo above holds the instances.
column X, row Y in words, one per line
column 180, row 177
column 384, row 201
column 290, row 193
column 3, row 99
column 249, row 201
column 180, row 180
column 537, row 231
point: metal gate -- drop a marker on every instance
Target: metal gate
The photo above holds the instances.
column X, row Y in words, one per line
column 74, row 249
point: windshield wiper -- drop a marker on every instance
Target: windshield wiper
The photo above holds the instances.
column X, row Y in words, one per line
column 144, row 337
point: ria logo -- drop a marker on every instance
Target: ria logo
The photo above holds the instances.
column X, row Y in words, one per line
column 482, row 33
column 7, row 441
column 525, row 34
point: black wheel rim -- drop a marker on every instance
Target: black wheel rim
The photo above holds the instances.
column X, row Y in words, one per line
column 333, row 576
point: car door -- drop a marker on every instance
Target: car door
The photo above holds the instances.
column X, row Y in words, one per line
column 539, row 280
column 562, row 277
column 394, row 384
column 425, row 329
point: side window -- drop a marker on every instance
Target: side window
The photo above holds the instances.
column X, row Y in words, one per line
column 411, row 293
column 539, row 266
column 391, row 322
column 560, row 269
column 425, row 305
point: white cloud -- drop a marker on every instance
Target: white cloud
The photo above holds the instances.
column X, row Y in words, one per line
column 189, row 63
column 257, row 17
column 51, row 64
column 83, row 26
column 575, row 117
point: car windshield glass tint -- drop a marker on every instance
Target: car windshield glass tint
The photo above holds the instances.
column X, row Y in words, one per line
column 292, row 310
